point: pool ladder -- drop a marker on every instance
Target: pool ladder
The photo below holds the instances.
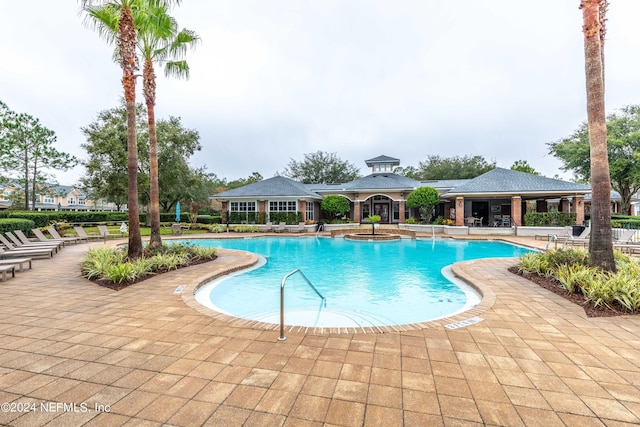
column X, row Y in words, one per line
column 284, row 279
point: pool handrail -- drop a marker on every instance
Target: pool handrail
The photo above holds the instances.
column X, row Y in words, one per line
column 284, row 279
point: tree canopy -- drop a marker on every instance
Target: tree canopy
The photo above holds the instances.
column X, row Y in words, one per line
column 458, row 167
column 335, row 204
column 27, row 151
column 524, row 166
column 105, row 165
column 321, row 168
column 623, row 142
column 423, row 198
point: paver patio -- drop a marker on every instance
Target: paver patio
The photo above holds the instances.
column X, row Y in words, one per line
column 73, row 353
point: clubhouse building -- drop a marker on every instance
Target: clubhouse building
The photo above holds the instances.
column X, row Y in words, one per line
column 498, row 198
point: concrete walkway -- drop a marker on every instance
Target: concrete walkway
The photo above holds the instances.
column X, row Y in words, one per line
column 74, row 354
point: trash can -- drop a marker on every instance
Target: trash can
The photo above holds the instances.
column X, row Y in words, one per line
column 578, row 229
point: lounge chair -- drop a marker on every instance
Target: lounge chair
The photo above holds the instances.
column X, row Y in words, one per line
column 582, row 239
column 625, row 243
column 20, row 243
column 105, row 233
column 18, row 262
column 40, row 235
column 44, row 252
column 280, row 228
column 83, row 234
column 298, row 229
column 263, row 228
column 11, row 246
column 55, row 235
column 4, row 269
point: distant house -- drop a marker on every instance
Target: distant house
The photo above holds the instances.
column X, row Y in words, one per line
column 496, row 195
column 59, row 197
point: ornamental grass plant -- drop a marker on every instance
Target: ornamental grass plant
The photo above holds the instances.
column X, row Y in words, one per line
column 110, row 267
column 570, row 269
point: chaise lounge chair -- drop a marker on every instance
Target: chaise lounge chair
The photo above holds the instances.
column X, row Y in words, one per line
column 83, row 234
column 20, row 243
column 264, row 228
column 18, row 262
column 12, row 247
column 298, row 229
column 55, row 235
column 33, row 253
column 280, row 228
column 105, row 233
column 4, row 269
column 582, row 239
column 40, row 235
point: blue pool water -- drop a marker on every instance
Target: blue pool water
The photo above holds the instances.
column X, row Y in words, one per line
column 364, row 283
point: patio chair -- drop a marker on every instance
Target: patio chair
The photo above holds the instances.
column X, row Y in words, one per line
column 18, row 262
column 83, row 234
column 55, row 235
column 43, row 252
column 280, row 228
column 470, row 220
column 299, row 228
column 8, row 246
column 105, row 233
column 264, row 228
column 478, row 222
column 582, row 239
column 19, row 244
column 4, row 269
column 41, row 237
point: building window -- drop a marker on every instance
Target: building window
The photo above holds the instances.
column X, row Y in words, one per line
column 366, row 210
column 243, row 206
column 82, row 201
column 282, row 206
column 71, row 200
column 396, row 211
column 310, row 211
column 47, row 199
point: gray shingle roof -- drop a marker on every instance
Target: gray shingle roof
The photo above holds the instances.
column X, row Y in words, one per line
column 271, row 187
column 382, row 181
column 382, row 159
column 501, row 180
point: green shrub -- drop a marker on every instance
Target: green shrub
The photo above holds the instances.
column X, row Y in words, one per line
column 244, row 228
column 549, row 219
column 570, row 267
column 218, row 228
column 10, row 224
column 290, row 218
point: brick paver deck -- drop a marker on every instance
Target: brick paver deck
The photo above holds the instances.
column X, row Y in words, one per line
column 73, row 353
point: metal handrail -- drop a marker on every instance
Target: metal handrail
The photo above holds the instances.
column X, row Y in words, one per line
column 284, row 279
column 553, row 237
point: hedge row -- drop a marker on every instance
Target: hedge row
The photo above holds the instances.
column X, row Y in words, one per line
column 549, row 219
column 10, row 224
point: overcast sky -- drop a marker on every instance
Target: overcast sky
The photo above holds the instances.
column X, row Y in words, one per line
column 273, row 80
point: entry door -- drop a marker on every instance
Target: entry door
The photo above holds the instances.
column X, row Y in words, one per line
column 382, row 209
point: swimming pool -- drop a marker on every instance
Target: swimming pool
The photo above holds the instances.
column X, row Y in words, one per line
column 364, row 283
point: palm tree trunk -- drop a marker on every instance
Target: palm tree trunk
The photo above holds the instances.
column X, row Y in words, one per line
column 154, row 196
column 126, row 42
column 601, row 245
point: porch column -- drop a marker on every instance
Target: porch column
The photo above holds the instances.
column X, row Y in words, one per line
column 225, row 212
column 302, row 205
column 460, row 211
column 516, row 210
column 401, row 207
column 356, row 211
column 579, row 208
column 564, row 205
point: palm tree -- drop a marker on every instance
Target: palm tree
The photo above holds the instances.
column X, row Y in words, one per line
column 601, row 244
column 104, row 15
column 159, row 41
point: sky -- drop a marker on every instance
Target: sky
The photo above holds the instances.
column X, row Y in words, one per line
column 274, row 80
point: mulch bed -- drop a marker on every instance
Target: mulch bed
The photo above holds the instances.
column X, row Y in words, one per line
column 118, row 286
column 578, row 299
